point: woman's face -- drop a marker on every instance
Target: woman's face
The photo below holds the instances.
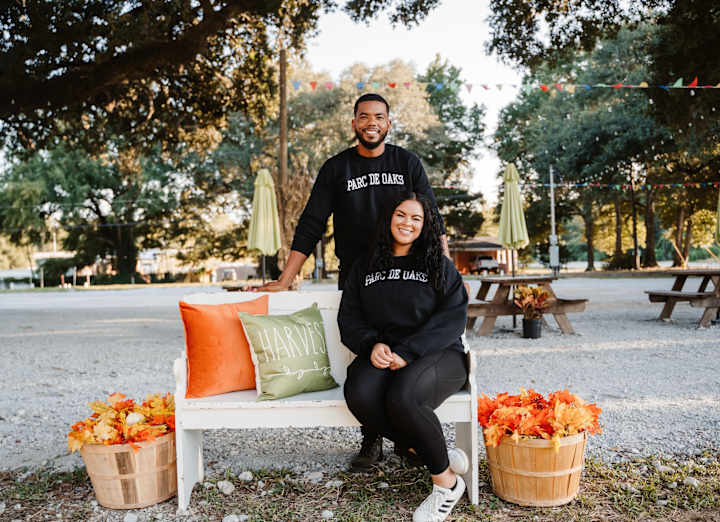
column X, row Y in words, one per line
column 407, row 223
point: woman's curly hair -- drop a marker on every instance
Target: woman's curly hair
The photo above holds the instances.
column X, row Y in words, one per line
column 426, row 252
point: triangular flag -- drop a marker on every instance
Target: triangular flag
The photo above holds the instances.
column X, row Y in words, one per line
column 617, row 85
column 663, row 87
column 468, row 86
column 677, row 84
column 313, row 85
column 329, row 85
column 544, row 87
column 587, row 87
column 553, row 94
column 559, row 86
column 296, row 84
column 392, row 85
column 406, row 84
column 499, row 86
column 643, row 85
column 375, row 85
column 693, row 83
column 360, row 85
column 717, row 86
column 570, row 88
column 438, row 85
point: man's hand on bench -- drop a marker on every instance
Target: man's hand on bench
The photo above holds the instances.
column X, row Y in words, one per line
column 273, row 286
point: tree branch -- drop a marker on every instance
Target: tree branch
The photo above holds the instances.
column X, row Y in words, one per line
column 83, row 82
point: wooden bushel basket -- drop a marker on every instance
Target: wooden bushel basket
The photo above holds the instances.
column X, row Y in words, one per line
column 531, row 473
column 126, row 479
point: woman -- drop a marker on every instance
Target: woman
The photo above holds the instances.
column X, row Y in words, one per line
column 402, row 312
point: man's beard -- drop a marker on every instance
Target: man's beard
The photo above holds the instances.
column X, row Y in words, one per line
column 370, row 145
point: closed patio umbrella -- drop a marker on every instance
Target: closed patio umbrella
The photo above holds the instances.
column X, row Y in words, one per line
column 512, row 232
column 264, row 225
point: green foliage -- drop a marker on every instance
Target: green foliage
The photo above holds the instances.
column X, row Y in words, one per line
column 150, row 73
column 11, row 256
column 605, row 136
column 53, row 268
column 109, row 205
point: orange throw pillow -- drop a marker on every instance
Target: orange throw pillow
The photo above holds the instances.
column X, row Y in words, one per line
column 218, row 352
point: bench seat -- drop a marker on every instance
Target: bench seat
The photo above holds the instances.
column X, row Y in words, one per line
column 661, row 296
column 558, row 306
column 241, row 410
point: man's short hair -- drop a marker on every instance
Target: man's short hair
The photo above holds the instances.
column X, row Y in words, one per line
column 371, row 96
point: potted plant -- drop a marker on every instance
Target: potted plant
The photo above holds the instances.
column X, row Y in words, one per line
column 531, row 301
column 129, row 450
column 536, row 445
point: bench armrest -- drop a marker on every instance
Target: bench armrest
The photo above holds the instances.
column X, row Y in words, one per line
column 180, row 372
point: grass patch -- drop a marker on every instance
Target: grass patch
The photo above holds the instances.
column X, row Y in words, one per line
column 643, row 489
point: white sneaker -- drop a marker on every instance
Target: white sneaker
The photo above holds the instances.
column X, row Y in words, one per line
column 459, row 462
column 439, row 503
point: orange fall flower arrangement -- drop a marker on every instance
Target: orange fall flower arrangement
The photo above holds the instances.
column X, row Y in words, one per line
column 530, row 415
column 121, row 421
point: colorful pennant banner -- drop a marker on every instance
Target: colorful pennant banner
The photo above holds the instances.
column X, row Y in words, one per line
column 545, row 87
column 620, row 186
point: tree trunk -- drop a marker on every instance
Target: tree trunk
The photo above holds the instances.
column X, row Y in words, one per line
column 650, row 259
column 636, row 253
column 589, row 235
column 679, row 220
column 126, row 252
column 618, row 229
column 688, row 240
column 291, row 198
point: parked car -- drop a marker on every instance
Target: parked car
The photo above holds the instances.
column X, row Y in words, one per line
column 481, row 264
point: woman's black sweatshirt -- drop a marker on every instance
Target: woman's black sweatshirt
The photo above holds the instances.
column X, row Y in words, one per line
column 400, row 307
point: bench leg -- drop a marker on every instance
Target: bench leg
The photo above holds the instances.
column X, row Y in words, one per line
column 667, row 309
column 487, row 325
column 466, row 438
column 189, row 463
column 708, row 315
column 564, row 323
column 470, row 323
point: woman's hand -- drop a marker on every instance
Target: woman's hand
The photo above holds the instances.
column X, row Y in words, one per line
column 381, row 356
column 397, row 362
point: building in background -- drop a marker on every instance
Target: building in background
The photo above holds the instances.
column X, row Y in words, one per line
column 480, row 255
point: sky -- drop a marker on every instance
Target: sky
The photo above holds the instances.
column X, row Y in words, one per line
column 456, row 30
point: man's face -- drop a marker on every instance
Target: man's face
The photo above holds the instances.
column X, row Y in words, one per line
column 371, row 123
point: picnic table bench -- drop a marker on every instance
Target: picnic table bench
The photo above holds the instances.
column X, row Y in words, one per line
column 702, row 298
column 241, row 410
column 502, row 304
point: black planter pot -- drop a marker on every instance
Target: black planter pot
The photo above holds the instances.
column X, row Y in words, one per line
column 532, row 328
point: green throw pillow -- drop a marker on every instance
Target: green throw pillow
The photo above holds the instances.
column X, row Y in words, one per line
column 289, row 353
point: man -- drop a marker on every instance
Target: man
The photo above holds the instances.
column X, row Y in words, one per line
column 354, row 186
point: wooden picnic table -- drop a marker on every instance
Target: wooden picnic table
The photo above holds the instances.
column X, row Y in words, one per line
column 502, row 304
column 702, row 298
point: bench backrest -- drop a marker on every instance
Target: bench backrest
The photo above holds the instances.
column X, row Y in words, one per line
column 289, row 302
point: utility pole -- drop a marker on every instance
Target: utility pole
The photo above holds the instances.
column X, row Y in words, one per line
column 554, row 249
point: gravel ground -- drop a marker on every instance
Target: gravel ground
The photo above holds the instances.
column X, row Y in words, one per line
column 658, row 383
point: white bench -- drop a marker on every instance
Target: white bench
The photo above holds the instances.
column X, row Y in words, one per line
column 240, row 410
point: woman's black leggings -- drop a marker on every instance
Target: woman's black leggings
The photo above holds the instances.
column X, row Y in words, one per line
column 400, row 404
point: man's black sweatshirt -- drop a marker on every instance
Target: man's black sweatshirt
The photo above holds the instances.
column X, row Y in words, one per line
column 400, row 307
column 356, row 190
